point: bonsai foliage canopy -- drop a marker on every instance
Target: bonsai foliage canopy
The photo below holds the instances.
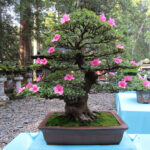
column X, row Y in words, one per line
column 91, row 44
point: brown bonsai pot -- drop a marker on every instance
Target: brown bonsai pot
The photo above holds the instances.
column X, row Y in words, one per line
column 83, row 135
column 143, row 97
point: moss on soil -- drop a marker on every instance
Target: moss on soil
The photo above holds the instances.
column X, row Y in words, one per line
column 103, row 119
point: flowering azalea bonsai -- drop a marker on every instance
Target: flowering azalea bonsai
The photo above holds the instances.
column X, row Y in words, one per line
column 91, row 44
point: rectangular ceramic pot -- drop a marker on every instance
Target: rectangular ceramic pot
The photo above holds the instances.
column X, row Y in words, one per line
column 83, row 135
column 143, row 97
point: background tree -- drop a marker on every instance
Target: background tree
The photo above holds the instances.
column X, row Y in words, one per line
column 25, row 32
column 9, row 34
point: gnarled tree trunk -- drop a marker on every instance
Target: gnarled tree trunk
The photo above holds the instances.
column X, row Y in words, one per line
column 77, row 108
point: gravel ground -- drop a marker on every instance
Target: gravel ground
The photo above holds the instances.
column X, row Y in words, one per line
column 24, row 115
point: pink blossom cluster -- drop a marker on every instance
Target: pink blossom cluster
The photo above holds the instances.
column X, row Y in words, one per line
column 119, row 46
column 112, row 73
column 41, row 61
column 20, row 90
column 95, row 62
column 39, row 78
column 56, row 38
column 58, row 89
column 117, row 60
column 51, row 50
column 123, row 83
column 32, row 87
column 65, row 18
column 146, row 83
column 133, row 62
column 111, row 21
column 127, row 78
column 69, row 77
column 141, row 78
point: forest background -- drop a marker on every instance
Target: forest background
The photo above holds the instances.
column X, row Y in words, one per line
column 26, row 25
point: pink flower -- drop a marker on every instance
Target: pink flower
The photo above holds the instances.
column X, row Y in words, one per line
column 43, row 61
column 120, row 46
column 141, row 78
column 58, row 89
column 69, row 77
column 111, row 22
column 20, row 90
column 51, row 50
column 56, row 38
column 62, row 21
column 39, row 78
column 65, row 18
column 146, row 83
column 112, row 73
column 91, row 52
column 98, row 72
column 133, row 62
column 37, row 61
column 95, row 62
column 117, row 60
column 28, row 85
column 122, row 84
column 127, row 78
column 102, row 17
column 35, row 88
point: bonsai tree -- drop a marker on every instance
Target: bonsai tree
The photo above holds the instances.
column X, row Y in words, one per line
column 82, row 44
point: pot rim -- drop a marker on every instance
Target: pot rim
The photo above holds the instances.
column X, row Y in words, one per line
column 122, row 126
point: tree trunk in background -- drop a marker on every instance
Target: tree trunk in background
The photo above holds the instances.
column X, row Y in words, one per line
column 57, row 14
column 137, row 38
column 1, row 33
column 25, row 33
column 36, row 41
column 78, row 3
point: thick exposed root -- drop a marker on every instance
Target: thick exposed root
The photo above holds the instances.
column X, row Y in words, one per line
column 85, row 117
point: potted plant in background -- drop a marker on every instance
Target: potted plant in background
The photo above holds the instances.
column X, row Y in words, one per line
column 128, row 82
column 92, row 44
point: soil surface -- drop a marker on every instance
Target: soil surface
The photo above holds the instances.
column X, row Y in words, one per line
column 24, row 115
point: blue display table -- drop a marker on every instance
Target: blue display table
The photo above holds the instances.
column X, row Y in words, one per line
column 142, row 141
column 135, row 115
column 27, row 141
